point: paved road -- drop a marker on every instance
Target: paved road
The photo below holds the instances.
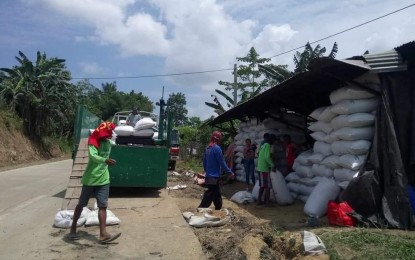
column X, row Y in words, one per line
column 152, row 226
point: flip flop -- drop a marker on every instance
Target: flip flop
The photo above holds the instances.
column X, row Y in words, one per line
column 110, row 238
column 72, row 237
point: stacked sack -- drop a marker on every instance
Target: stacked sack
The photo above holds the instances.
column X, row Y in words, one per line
column 343, row 134
column 143, row 128
column 255, row 132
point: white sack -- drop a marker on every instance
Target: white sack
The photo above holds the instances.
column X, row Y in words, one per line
column 350, row 147
column 305, row 190
column 353, row 120
column 125, row 130
column 316, row 158
column 242, row 197
column 352, row 162
column 330, row 138
column 347, row 107
column 255, row 190
column 355, row 133
column 303, row 171
column 343, row 185
column 63, row 219
column 331, row 161
column 292, row 177
column 327, row 115
column 145, row 123
column 321, row 170
column 313, row 244
column 293, row 187
column 92, row 218
column 156, row 135
column 303, row 198
column 349, row 92
column 317, row 112
column 325, row 191
column 280, row 189
column 343, row 174
column 318, row 136
column 144, row 132
column 303, row 158
column 320, row 126
column 323, row 148
column 310, row 181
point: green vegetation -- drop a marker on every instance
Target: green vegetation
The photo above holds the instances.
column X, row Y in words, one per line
column 363, row 243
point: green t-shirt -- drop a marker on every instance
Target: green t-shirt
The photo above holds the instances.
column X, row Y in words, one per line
column 264, row 158
column 96, row 172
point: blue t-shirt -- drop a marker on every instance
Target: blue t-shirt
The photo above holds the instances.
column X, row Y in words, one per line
column 213, row 161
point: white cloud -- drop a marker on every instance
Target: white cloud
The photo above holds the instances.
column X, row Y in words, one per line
column 92, row 68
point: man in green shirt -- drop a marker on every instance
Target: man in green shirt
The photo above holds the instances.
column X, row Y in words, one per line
column 264, row 167
column 96, row 179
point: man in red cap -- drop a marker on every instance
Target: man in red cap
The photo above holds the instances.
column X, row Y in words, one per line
column 213, row 164
column 96, row 179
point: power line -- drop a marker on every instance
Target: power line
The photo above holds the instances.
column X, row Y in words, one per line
column 349, row 29
column 279, row 54
column 156, row 75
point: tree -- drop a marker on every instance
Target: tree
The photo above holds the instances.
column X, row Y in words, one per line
column 176, row 104
column 248, row 76
column 302, row 59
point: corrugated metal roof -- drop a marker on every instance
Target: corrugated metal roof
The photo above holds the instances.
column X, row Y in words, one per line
column 388, row 61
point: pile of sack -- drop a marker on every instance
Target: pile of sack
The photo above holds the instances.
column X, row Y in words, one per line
column 255, row 131
column 63, row 219
column 143, row 128
column 343, row 132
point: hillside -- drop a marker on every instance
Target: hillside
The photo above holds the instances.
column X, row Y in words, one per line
column 16, row 148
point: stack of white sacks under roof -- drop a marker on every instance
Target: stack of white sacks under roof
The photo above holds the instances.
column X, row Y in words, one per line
column 255, row 132
column 343, row 134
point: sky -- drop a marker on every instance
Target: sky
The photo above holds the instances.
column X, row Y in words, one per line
column 129, row 38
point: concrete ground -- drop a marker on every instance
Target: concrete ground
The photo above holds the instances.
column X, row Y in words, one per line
column 151, row 223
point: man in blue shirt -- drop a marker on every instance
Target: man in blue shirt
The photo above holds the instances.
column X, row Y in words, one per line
column 213, row 164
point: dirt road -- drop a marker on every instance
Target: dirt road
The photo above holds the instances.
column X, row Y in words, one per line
column 152, row 226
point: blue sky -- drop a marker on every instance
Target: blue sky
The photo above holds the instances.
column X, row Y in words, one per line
column 110, row 38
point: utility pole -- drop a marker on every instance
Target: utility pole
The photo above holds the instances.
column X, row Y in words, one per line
column 235, row 85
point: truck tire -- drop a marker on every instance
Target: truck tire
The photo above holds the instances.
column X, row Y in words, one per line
column 172, row 165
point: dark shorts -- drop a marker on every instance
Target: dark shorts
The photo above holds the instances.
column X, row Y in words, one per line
column 101, row 193
column 264, row 179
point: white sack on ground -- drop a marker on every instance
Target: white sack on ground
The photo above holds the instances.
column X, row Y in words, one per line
column 353, row 120
column 208, row 219
column 352, row 162
column 320, row 127
column 144, row 132
column 242, row 197
column 280, row 189
column 347, row 107
column 316, row 158
column 313, row 244
column 92, row 218
column 350, row 147
column 349, row 92
column 325, row 191
column 355, row 133
column 321, row 170
column 145, row 123
column 63, row 219
column 343, row 174
column 255, row 190
column 124, row 130
column 323, row 148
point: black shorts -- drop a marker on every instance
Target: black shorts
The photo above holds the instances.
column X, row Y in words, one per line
column 101, row 193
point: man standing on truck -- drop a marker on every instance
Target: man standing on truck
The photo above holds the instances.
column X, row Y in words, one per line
column 96, row 180
column 133, row 117
column 213, row 163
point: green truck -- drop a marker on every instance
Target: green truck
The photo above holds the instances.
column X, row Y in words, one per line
column 138, row 165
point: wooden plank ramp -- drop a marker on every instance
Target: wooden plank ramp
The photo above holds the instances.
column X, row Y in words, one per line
column 73, row 191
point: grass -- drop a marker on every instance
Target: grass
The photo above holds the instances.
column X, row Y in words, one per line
column 10, row 120
column 190, row 164
column 363, row 243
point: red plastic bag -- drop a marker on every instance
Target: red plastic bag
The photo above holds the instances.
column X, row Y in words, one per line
column 337, row 214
